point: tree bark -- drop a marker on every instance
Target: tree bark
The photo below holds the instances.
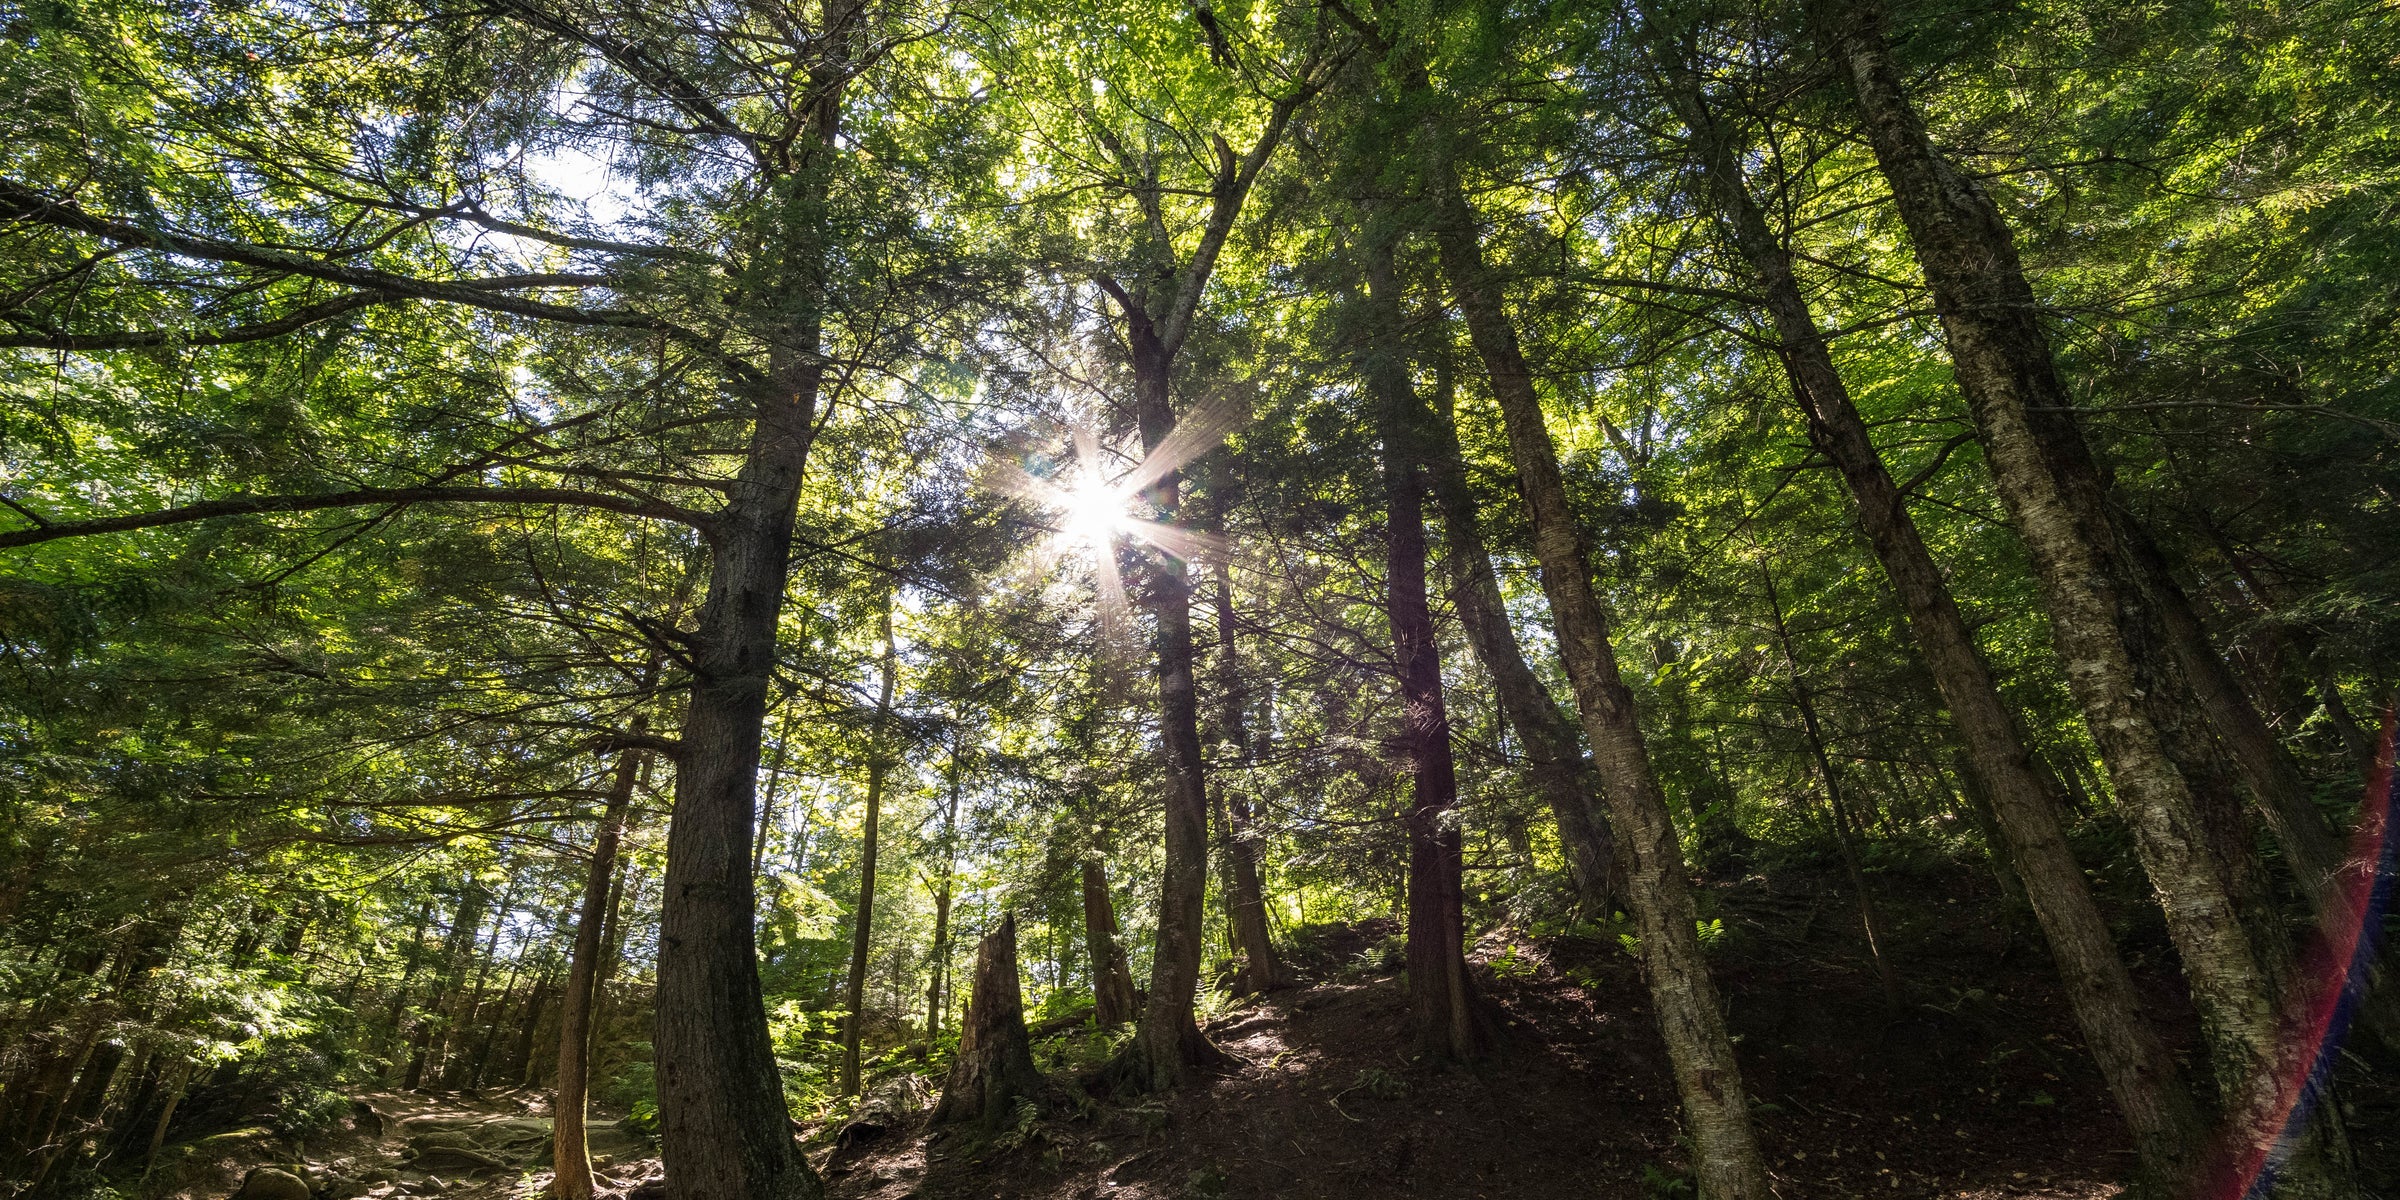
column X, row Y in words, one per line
column 2000, row 775
column 537, row 1010
column 934, row 994
column 1113, row 1000
column 879, row 765
column 166, row 1116
column 1717, row 1110
column 452, row 1058
column 2267, row 771
column 411, row 958
column 491, row 1024
column 2002, row 360
column 1971, row 796
column 1444, row 1014
column 2337, row 712
column 1245, row 899
column 725, row 1132
column 570, row 1151
column 1554, row 754
column 994, row 1069
column 1159, row 312
column 464, row 925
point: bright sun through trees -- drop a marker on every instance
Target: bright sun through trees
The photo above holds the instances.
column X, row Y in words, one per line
column 781, row 599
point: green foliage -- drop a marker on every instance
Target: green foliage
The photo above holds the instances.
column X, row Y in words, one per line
column 1659, row 1184
column 1378, row 1083
column 1511, row 963
column 299, row 794
column 641, row 1117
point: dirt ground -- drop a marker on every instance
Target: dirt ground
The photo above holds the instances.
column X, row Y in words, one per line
column 367, row 1157
column 1976, row 1090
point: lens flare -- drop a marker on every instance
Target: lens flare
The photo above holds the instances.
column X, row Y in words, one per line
column 1092, row 513
column 2333, row 981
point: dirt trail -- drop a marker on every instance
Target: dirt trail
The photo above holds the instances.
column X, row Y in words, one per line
column 409, row 1146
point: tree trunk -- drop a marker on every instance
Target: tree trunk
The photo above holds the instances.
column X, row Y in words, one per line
column 862, row 929
column 1717, row 1110
column 1971, row 796
column 412, row 958
column 2267, row 771
column 491, row 1026
column 1159, row 312
column 1805, row 702
column 570, row 1151
column 1553, row 750
column 725, row 1132
column 537, row 1009
column 941, row 906
column 2337, row 712
column 1113, row 1001
column 994, row 1069
column 2002, row 360
column 450, row 1048
column 940, row 957
column 1245, row 898
column 1169, row 1043
column 1998, row 773
column 166, row 1116
column 1443, row 1006
column 464, row 925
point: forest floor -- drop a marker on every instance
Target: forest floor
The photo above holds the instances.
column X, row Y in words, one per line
column 1976, row 1090
column 414, row 1145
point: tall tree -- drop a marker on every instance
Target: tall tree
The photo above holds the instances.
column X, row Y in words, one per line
column 1158, row 303
column 2141, row 1073
column 1725, row 1145
column 1444, row 1008
column 2004, row 366
column 570, row 1150
column 1245, row 898
column 1553, row 749
column 862, row 920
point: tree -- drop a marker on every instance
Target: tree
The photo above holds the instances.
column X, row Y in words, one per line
column 2142, row 1075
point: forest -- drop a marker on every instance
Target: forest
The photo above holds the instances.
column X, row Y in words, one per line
column 777, row 599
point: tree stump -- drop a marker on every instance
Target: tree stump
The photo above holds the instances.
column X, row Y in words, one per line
column 995, row 1067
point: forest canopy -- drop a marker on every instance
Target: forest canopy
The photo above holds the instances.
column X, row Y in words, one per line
column 640, row 556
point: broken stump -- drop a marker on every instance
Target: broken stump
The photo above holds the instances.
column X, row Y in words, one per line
column 994, row 1068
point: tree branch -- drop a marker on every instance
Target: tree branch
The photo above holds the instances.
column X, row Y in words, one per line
column 234, row 506
column 135, row 339
column 21, row 203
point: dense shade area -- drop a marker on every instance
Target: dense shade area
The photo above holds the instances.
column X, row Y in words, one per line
column 1669, row 598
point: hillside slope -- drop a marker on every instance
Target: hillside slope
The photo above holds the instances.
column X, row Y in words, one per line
column 1977, row 1090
